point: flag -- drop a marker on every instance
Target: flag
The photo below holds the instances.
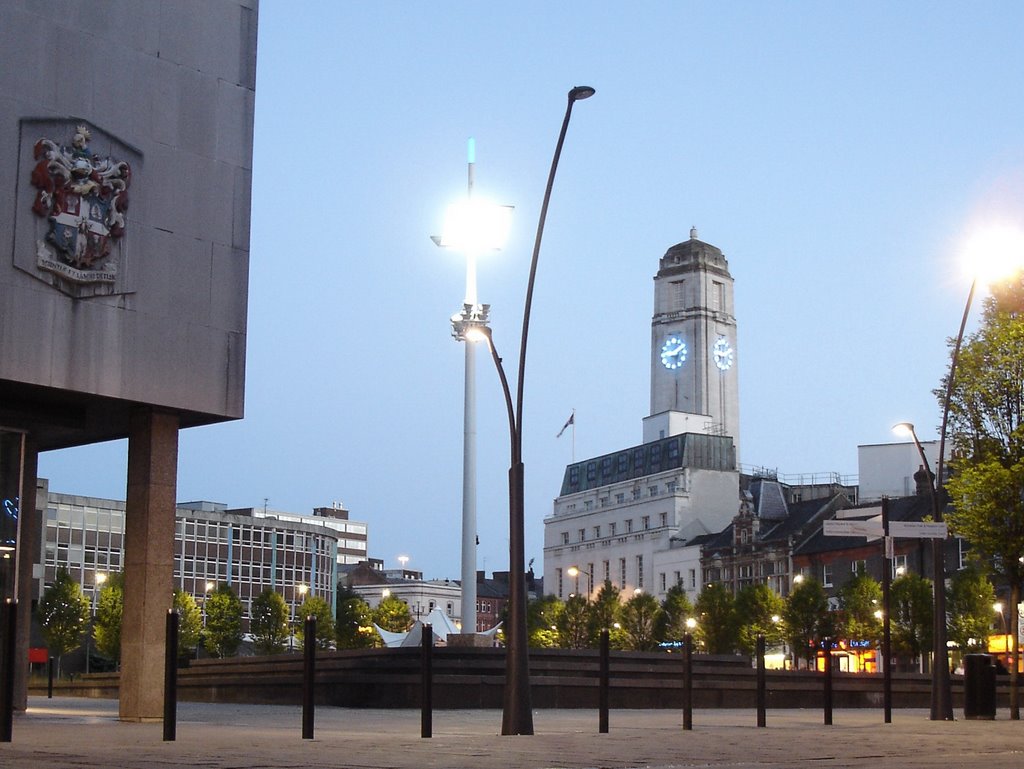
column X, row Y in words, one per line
column 570, row 421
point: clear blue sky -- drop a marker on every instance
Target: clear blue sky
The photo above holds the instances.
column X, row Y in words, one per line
column 838, row 154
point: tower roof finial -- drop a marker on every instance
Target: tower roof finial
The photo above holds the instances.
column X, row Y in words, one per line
column 693, row 233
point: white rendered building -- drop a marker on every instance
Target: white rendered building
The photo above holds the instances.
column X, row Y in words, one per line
column 627, row 515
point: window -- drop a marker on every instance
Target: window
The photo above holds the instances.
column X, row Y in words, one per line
column 652, row 491
column 565, row 538
column 717, row 295
column 826, row 575
column 607, row 571
column 645, row 522
column 670, row 487
column 611, row 529
column 588, row 504
column 663, row 519
column 661, row 581
column 899, row 566
column 677, row 296
column 622, row 574
column 451, row 608
column 583, row 535
column 604, row 502
column 620, row 498
column 558, row 579
column 859, row 567
column 597, row 532
column 636, row 493
column 639, row 571
column 693, row 578
column 629, row 525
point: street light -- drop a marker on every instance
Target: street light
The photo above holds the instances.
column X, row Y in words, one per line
column 97, row 586
column 517, row 716
column 942, row 699
column 575, row 571
column 473, row 227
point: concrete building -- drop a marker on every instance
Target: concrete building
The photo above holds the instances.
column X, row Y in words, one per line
column 293, row 555
column 121, row 322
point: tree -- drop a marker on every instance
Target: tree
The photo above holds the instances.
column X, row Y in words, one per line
column 969, row 603
column 393, row 614
column 109, row 610
column 190, row 623
column 911, row 610
column 574, row 623
column 759, row 611
column 861, row 602
column 604, row 611
column 807, row 618
column 354, row 625
column 317, row 607
column 63, row 614
column 676, row 609
column 986, row 425
column 223, row 621
column 542, row 617
column 268, row 622
column 716, row 619
column 639, row 618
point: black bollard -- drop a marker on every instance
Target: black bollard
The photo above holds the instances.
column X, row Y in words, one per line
column 602, row 685
column 827, row 646
column 171, row 677
column 8, row 625
column 427, row 682
column 687, row 682
column 49, row 678
column 308, row 676
column 762, row 698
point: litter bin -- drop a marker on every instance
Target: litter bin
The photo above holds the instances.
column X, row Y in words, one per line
column 979, row 687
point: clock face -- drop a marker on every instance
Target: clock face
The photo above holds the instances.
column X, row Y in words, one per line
column 673, row 353
column 723, row 354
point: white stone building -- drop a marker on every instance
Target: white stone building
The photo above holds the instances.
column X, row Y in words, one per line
column 627, row 515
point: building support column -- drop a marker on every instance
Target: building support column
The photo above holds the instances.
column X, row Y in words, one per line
column 148, row 561
column 29, row 553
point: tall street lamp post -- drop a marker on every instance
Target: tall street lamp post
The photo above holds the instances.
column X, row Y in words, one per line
column 517, row 716
column 474, row 227
column 97, row 586
column 575, row 571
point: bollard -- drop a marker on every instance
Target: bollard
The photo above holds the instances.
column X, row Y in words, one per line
column 761, row 692
column 687, row 682
column 602, row 685
column 171, row 677
column 427, row 682
column 49, row 679
column 308, row 676
column 8, row 626
column 827, row 645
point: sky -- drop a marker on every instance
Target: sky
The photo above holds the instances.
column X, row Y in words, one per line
column 841, row 155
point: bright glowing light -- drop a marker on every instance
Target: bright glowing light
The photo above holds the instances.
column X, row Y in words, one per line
column 995, row 252
column 900, row 571
column 572, row 571
column 476, row 226
column 691, row 623
column 101, row 578
column 303, row 589
column 998, row 607
column 776, row 618
column 798, row 579
column 903, row 429
column 209, row 586
column 475, row 334
column 878, row 614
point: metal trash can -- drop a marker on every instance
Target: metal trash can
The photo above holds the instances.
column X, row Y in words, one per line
column 979, row 687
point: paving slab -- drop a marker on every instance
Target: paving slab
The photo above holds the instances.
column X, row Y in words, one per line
column 74, row 732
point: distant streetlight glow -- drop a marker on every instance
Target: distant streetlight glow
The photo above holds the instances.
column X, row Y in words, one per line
column 995, row 252
column 475, row 226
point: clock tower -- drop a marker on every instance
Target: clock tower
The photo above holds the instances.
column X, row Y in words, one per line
column 694, row 383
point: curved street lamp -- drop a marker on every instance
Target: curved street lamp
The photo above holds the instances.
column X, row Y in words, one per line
column 575, row 571
column 517, row 715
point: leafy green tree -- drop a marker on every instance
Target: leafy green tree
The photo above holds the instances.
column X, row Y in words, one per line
column 807, row 618
column 542, row 617
column 969, row 603
column 986, row 425
column 573, row 623
column 716, row 619
column 759, row 610
column 315, row 606
column 223, row 621
column 63, row 615
column 861, row 602
column 604, row 611
column 190, row 623
column 268, row 622
column 109, row 610
column 354, row 625
column 911, row 611
column 639, row 618
column 393, row 614
column 675, row 610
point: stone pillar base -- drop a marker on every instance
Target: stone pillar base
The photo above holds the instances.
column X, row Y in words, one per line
column 470, row 641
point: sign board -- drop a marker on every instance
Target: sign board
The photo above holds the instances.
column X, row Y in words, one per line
column 869, row 528
column 918, row 530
